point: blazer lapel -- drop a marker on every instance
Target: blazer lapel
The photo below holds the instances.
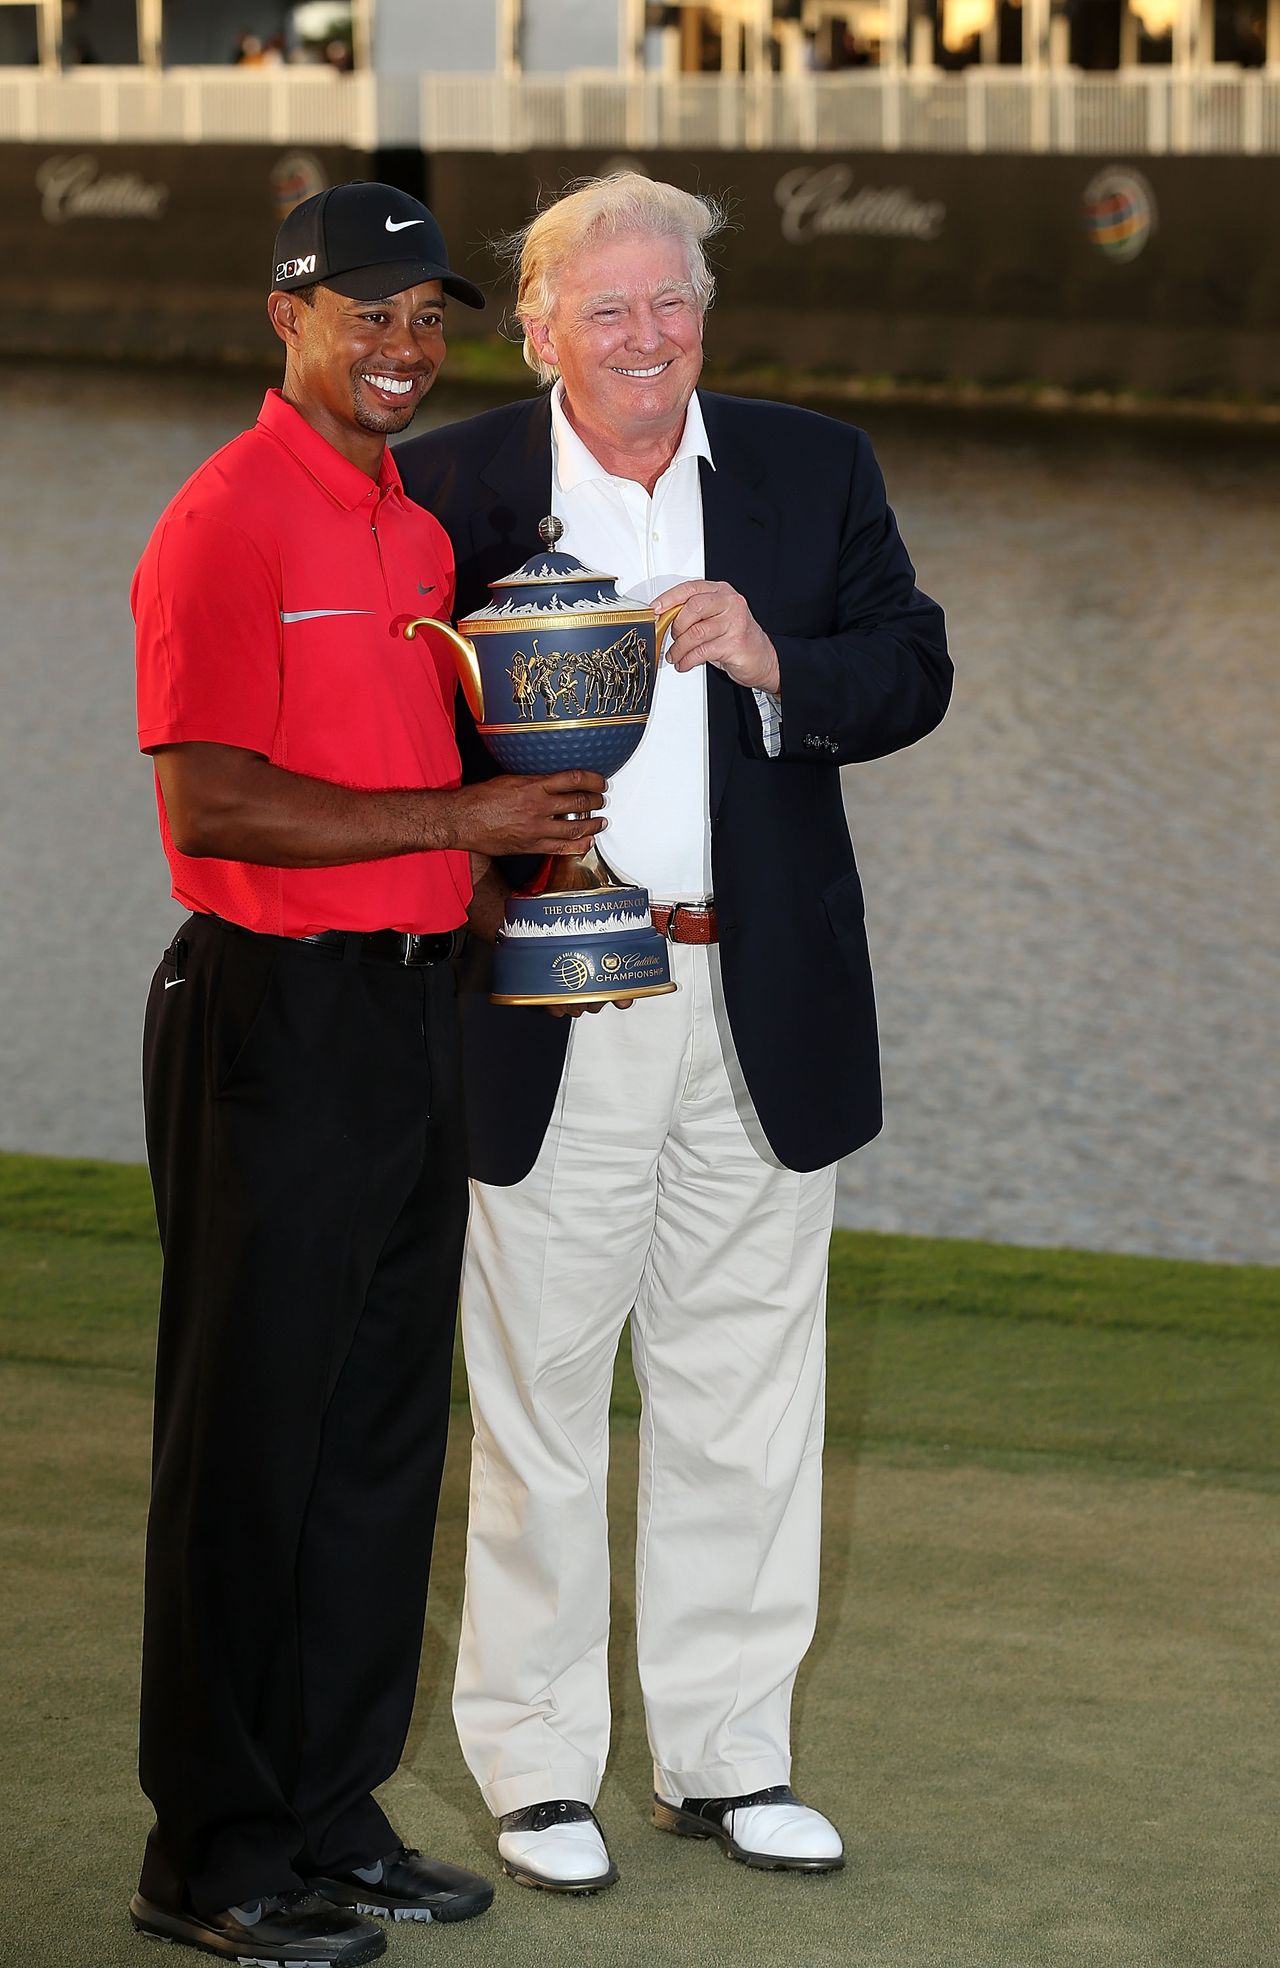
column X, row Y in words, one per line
column 739, row 533
column 518, row 481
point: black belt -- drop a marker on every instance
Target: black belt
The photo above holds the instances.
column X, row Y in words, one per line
column 394, row 946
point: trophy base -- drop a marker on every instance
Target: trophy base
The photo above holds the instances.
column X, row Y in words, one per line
column 580, row 946
column 574, row 998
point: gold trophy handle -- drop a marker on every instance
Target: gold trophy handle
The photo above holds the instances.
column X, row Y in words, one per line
column 665, row 620
column 465, row 655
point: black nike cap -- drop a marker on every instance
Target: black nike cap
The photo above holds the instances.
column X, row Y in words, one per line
column 365, row 241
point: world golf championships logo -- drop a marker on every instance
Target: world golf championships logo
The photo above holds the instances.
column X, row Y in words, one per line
column 295, row 176
column 1119, row 213
column 573, row 970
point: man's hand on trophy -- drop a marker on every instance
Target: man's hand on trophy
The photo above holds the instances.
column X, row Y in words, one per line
column 576, row 1011
column 715, row 626
column 548, row 813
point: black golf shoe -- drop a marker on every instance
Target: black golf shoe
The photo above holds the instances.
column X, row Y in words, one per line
column 286, row 1930
column 408, row 1886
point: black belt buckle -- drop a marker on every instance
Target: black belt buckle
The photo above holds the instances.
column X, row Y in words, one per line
column 421, row 947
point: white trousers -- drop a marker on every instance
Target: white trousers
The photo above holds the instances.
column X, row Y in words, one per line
column 653, row 1196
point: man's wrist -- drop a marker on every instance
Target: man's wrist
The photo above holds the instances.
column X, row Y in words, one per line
column 439, row 822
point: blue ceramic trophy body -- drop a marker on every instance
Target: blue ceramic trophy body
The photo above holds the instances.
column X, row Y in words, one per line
column 558, row 670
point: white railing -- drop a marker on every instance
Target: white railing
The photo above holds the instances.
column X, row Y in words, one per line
column 1133, row 112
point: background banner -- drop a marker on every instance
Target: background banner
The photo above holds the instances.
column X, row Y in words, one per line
column 1083, row 271
column 150, row 249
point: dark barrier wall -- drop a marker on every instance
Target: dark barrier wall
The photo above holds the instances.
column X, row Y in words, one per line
column 1156, row 275
column 148, row 250
column 1085, row 271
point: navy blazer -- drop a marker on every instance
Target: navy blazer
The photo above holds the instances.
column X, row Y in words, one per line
column 794, row 518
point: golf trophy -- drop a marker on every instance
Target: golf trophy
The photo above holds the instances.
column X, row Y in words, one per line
column 558, row 670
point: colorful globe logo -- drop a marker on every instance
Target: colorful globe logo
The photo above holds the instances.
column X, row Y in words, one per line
column 1119, row 213
column 295, row 176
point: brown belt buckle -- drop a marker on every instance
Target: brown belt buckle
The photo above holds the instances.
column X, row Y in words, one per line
column 703, row 915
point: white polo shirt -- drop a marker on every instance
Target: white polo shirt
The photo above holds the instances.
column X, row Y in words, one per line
column 659, row 831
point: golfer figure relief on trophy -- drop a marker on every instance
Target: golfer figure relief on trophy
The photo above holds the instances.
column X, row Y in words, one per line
column 558, row 670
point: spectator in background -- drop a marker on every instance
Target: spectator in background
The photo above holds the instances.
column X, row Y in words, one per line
column 78, row 50
column 1250, row 38
column 853, row 53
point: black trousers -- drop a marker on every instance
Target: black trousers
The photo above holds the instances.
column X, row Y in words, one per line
column 304, row 1131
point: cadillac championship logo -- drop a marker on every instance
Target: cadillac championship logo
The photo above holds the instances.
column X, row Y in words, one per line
column 1119, row 212
column 823, row 201
column 77, row 187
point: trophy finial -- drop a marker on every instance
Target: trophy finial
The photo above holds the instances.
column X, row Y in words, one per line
column 550, row 530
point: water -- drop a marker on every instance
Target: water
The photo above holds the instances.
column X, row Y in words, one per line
column 1071, row 887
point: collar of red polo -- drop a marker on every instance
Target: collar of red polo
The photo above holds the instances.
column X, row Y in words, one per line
column 341, row 479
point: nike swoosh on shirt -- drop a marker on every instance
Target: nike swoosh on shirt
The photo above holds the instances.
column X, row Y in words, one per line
column 314, row 614
column 398, row 225
column 430, row 588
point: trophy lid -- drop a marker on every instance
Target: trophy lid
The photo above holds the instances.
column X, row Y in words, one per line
column 550, row 583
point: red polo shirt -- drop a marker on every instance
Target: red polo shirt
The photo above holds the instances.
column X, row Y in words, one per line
column 269, row 604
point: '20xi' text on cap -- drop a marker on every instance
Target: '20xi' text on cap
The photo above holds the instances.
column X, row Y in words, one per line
column 365, row 241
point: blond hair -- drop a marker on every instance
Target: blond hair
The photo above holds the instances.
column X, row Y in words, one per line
column 602, row 208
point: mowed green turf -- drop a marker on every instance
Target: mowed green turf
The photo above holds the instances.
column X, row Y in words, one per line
column 1041, row 1700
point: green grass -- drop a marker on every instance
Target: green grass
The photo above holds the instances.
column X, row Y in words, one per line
column 938, row 1348
column 108, row 1201
column 1040, row 1699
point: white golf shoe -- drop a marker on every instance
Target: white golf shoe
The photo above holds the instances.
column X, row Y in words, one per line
column 557, row 1846
column 770, row 1829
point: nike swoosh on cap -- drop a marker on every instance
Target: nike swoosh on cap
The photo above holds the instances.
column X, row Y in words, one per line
column 314, row 614
column 398, row 225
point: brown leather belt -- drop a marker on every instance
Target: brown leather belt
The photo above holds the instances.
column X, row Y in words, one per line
column 686, row 922
column 679, row 922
